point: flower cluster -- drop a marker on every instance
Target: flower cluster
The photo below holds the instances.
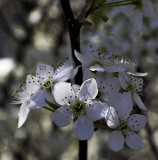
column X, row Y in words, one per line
column 110, row 89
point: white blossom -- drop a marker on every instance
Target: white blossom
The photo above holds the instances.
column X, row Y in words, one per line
column 23, row 97
column 136, row 12
column 46, row 77
column 134, row 85
column 125, row 128
column 99, row 60
column 77, row 105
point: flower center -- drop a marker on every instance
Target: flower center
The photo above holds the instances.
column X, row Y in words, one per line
column 78, row 109
column 124, row 128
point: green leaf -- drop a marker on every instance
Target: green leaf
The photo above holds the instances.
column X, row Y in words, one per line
column 52, row 105
column 97, row 17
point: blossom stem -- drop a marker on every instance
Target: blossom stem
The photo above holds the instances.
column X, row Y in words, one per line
column 49, row 109
column 82, row 150
column 74, row 32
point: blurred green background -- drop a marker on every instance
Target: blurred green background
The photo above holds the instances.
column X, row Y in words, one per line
column 34, row 31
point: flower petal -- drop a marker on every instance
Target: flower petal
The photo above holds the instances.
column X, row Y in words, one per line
column 88, row 74
column 83, row 127
column 62, row 116
column 75, row 88
column 137, row 19
column 96, row 68
column 38, row 99
column 23, row 113
column 88, row 90
column 63, row 93
column 96, row 110
column 134, row 141
column 139, row 102
column 111, row 117
column 109, row 86
column 112, row 69
column 116, row 141
column 125, row 106
column 137, row 121
column 82, row 58
column 44, row 70
column 123, row 78
column 63, row 74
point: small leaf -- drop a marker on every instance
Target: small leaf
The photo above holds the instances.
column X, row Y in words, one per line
column 54, row 106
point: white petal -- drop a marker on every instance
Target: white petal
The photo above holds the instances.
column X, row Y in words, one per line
column 137, row 20
column 112, row 69
column 116, row 141
column 125, row 106
column 87, row 74
column 75, row 72
column 88, row 90
column 63, row 74
column 96, row 110
column 138, row 74
column 62, row 116
column 75, row 88
column 137, row 121
column 63, row 93
column 43, row 70
column 148, row 9
column 123, row 78
column 83, row 127
column 114, row 99
column 139, row 102
column 96, row 68
column 111, row 117
column 127, row 10
column 38, row 99
column 82, row 58
column 137, row 83
column 23, row 113
column 109, row 85
column 32, row 88
column 134, row 141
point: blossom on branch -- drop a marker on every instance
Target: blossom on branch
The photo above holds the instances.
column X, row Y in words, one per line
column 78, row 105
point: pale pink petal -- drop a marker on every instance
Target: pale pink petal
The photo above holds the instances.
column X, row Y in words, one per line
column 116, row 141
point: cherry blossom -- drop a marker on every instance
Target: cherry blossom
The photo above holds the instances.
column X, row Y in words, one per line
column 136, row 12
column 125, row 128
column 46, row 76
column 134, row 85
column 77, row 105
column 23, row 96
column 99, row 60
